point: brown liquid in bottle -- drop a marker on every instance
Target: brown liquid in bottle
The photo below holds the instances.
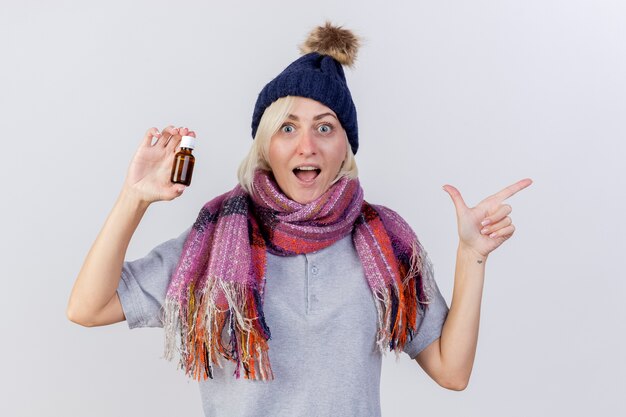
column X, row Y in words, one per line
column 182, row 169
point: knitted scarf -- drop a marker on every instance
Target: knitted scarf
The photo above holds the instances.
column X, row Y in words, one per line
column 220, row 278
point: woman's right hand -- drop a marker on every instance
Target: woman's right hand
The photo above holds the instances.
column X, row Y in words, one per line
column 148, row 176
column 94, row 300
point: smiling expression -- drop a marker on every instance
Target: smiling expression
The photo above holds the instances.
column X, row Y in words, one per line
column 307, row 151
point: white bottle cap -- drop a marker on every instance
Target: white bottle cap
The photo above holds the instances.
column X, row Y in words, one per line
column 188, row 142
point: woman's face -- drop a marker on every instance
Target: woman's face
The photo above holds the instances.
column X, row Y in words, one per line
column 307, row 151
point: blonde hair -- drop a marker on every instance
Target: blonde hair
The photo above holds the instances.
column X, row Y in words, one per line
column 258, row 155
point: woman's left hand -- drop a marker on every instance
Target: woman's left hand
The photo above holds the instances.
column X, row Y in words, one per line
column 485, row 227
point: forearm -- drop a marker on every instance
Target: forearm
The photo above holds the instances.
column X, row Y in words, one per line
column 460, row 331
column 100, row 274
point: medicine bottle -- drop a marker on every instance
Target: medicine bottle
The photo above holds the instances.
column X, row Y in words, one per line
column 184, row 161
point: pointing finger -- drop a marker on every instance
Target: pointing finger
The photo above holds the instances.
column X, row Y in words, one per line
column 512, row 189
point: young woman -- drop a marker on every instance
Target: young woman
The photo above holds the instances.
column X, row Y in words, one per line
column 292, row 280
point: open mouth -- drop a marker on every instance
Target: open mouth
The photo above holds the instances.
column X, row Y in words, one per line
column 306, row 174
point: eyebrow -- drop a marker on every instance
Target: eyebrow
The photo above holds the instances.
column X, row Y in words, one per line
column 319, row 116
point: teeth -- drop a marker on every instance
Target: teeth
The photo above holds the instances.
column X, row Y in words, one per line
column 307, row 168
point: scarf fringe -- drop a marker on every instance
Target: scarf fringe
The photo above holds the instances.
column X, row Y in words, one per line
column 201, row 347
column 417, row 288
column 421, row 269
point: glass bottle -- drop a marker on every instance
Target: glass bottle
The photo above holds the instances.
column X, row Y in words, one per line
column 182, row 168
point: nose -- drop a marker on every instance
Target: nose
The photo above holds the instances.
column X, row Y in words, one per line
column 306, row 144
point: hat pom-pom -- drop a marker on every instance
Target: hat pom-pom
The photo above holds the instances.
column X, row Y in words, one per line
column 341, row 44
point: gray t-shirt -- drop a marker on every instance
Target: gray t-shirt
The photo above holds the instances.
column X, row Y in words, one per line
column 322, row 318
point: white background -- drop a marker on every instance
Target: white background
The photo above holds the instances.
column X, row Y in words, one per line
column 475, row 94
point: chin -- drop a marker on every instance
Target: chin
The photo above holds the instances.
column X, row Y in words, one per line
column 305, row 198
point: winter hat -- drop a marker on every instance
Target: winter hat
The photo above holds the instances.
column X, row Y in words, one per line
column 318, row 75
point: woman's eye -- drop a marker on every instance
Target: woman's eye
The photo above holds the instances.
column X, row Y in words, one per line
column 325, row 128
column 287, row 128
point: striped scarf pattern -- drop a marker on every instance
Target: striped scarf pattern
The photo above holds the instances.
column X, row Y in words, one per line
column 214, row 302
